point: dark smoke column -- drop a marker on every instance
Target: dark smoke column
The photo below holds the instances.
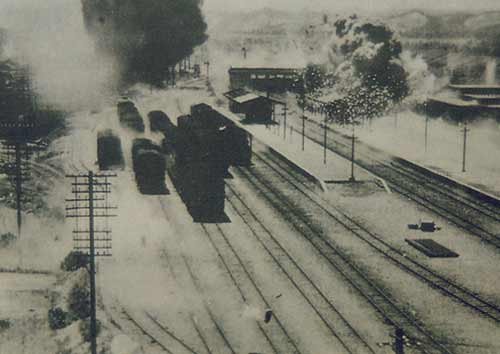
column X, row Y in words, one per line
column 145, row 36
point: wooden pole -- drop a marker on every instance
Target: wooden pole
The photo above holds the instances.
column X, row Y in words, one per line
column 465, row 147
column 93, row 319
column 352, row 179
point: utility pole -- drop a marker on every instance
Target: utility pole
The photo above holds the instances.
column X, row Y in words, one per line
column 285, row 109
column 352, row 179
column 244, row 50
column 303, row 129
column 465, row 130
column 324, row 141
column 17, row 136
column 399, row 344
column 88, row 190
column 207, row 63
column 426, row 131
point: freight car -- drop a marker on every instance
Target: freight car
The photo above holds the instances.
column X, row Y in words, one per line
column 236, row 143
column 201, row 188
column 160, row 122
column 197, row 169
column 149, row 167
column 109, row 151
column 129, row 116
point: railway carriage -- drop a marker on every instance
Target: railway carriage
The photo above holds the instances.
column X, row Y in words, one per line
column 149, row 167
column 109, row 151
column 129, row 116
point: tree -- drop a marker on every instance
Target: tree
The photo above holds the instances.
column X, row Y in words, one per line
column 79, row 301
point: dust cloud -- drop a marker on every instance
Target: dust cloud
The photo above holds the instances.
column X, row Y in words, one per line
column 50, row 38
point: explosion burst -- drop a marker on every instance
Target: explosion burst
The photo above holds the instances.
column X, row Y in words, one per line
column 145, row 36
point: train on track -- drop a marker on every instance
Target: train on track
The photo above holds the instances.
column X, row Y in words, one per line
column 200, row 150
column 197, row 154
column 161, row 122
column 149, row 167
column 129, row 116
column 109, row 151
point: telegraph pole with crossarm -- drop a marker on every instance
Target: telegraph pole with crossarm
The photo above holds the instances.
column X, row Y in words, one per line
column 16, row 150
column 90, row 202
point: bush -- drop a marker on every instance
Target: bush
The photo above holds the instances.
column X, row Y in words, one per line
column 7, row 239
column 74, row 261
column 4, row 325
column 85, row 329
column 79, row 301
column 58, row 318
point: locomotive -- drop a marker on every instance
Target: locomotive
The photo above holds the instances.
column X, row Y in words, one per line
column 149, row 166
column 199, row 151
column 129, row 116
column 200, row 168
column 109, row 151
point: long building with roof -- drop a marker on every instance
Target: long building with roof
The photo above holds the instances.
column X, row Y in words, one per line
column 466, row 101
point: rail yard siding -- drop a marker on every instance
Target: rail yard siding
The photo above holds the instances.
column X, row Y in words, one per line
column 280, row 154
column 297, row 167
column 469, row 189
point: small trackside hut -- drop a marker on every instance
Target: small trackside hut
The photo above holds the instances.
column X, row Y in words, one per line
column 256, row 108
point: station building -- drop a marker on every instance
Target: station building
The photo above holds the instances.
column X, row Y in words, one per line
column 266, row 79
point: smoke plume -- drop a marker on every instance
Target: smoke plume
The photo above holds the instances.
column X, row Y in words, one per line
column 145, row 36
column 365, row 71
column 49, row 37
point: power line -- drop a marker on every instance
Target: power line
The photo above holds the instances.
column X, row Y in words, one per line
column 95, row 189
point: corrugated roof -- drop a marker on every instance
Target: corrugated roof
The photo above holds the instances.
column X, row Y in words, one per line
column 246, row 98
column 485, row 96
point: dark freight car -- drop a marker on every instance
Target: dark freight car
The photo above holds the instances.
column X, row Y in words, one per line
column 160, row 122
column 129, row 116
column 201, row 187
column 199, row 169
column 109, row 151
column 236, row 145
column 149, row 167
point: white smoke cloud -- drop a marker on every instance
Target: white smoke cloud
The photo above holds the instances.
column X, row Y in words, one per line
column 421, row 81
column 49, row 36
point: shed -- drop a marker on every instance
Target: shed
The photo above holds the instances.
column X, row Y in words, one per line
column 256, row 108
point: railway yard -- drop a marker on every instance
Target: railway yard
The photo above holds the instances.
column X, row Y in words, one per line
column 336, row 275
column 247, row 222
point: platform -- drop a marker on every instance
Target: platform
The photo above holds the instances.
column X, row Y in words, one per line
column 336, row 169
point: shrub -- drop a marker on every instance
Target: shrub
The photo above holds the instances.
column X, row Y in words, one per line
column 85, row 329
column 58, row 318
column 74, row 261
column 7, row 239
column 79, row 301
column 4, row 325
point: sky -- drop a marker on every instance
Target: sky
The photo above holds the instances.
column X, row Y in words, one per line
column 345, row 5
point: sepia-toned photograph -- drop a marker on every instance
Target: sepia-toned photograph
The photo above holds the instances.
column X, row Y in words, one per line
column 249, row 177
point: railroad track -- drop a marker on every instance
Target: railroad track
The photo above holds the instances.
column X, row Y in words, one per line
column 236, row 268
column 219, row 328
column 421, row 271
column 367, row 287
column 334, row 320
column 206, row 308
column 145, row 333
column 473, row 215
